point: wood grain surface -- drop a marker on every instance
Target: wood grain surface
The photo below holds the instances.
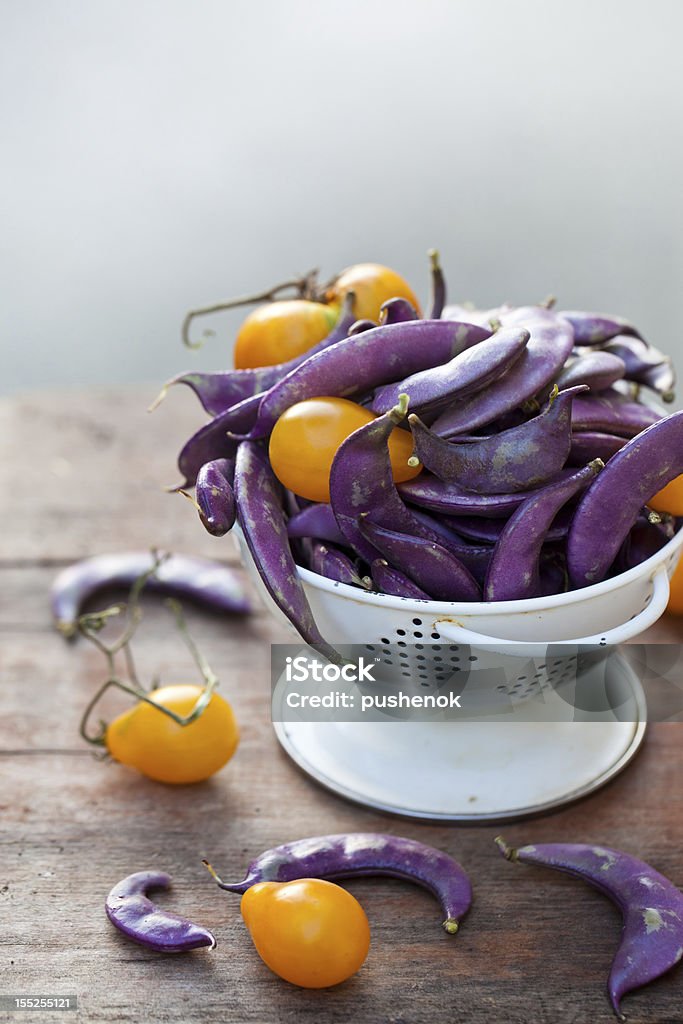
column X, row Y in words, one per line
column 81, row 473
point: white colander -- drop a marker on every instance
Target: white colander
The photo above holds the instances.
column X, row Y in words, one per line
column 413, row 768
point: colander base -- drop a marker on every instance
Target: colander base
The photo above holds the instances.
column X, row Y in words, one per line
column 472, row 771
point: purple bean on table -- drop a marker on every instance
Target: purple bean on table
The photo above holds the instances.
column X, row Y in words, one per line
column 651, row 906
column 549, row 346
column 131, row 911
column 362, row 854
column 514, row 570
column 430, row 565
column 334, row 565
column 196, row 579
column 612, row 503
column 591, row 444
column 215, row 497
column 596, row 328
column 611, row 412
column 365, row 361
column 514, row 460
column 438, row 297
column 316, row 521
column 599, row 370
column 391, row 581
column 469, row 372
column 223, row 389
column 260, row 515
column 396, row 311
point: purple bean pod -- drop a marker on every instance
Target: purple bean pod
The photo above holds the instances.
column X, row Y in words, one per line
column 645, row 365
column 591, row 444
column 469, row 372
column 430, row 565
column 438, row 281
column 388, row 580
column 514, row 570
column 612, row 503
column 396, row 311
column 661, row 379
column 131, row 911
column 365, row 361
column 360, row 326
column 611, row 412
column 209, row 583
column 644, row 539
column 449, row 499
column 475, row 557
column 316, row 521
column 260, row 515
column 335, row 565
column 599, row 370
column 215, row 497
column 652, row 907
column 596, row 328
column 221, row 390
column 212, row 441
column 514, row 460
column 487, row 531
column 361, row 854
column 548, row 348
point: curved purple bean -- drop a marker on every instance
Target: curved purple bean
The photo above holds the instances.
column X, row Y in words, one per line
column 475, row 558
column 514, row 460
column 662, row 379
column 360, row 326
column 396, row 311
column 514, row 570
column 212, row 441
column 645, row 365
column 316, row 521
column 215, row 497
column 221, row 390
column 335, row 565
column 468, row 372
column 197, row 579
column 365, row 361
column 644, row 539
column 595, row 328
column 612, row 413
column 591, row 444
column 390, row 581
column 599, row 370
column 430, row 565
column 131, row 911
column 438, row 297
column 652, row 907
column 549, row 346
column 259, row 513
column 612, row 503
column 359, row 854
column 437, row 496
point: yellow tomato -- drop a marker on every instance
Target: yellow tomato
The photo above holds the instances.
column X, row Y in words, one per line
column 670, row 498
column 147, row 739
column 373, row 285
column 310, row 932
column 306, row 437
column 278, row 331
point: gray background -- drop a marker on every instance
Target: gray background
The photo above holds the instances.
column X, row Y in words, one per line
column 159, row 155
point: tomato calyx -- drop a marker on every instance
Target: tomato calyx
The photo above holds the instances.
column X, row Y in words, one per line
column 91, row 624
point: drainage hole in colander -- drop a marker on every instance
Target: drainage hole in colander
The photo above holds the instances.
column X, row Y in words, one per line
column 388, row 661
column 417, row 634
column 417, row 622
column 385, row 641
column 424, row 684
column 405, row 674
column 419, row 647
column 435, row 636
column 473, row 657
column 501, row 687
column 400, row 632
column 386, row 651
column 401, row 643
column 420, row 657
column 369, row 647
column 437, row 657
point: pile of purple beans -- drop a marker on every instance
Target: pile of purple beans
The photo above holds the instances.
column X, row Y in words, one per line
column 541, row 436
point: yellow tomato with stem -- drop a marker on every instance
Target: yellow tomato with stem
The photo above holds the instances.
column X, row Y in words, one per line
column 150, row 741
column 310, row 932
column 306, row 437
column 372, row 285
column 279, row 331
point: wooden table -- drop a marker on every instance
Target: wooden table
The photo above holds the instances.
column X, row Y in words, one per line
column 80, row 474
